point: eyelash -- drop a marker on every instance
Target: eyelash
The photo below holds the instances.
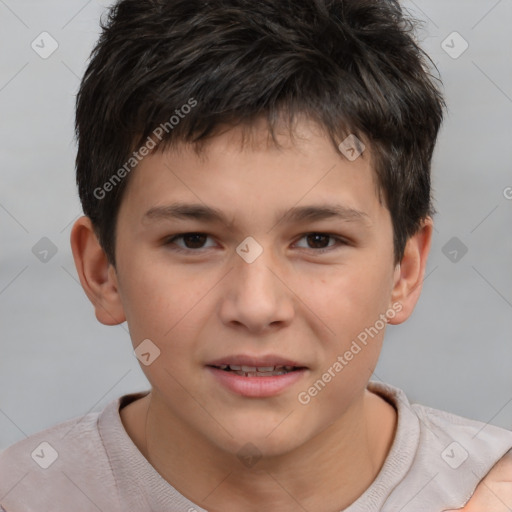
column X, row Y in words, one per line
column 339, row 241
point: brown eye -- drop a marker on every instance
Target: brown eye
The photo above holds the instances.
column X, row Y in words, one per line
column 320, row 242
column 191, row 241
column 194, row 240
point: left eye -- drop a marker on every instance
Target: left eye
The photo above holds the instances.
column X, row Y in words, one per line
column 319, row 239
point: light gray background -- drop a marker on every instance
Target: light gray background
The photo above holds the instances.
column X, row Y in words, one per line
column 57, row 361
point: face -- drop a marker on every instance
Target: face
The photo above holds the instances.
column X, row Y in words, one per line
column 262, row 275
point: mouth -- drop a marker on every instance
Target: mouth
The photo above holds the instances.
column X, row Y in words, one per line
column 257, row 377
column 258, row 371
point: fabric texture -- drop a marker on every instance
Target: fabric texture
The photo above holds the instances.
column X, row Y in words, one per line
column 88, row 464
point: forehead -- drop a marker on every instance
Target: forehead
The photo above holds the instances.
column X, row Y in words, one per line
column 249, row 170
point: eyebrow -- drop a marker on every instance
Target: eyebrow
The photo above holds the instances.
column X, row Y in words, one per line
column 297, row 214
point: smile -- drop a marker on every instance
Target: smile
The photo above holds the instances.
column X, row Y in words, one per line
column 256, row 381
column 257, row 371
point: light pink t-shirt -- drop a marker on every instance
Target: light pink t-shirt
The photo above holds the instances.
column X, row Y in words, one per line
column 90, row 464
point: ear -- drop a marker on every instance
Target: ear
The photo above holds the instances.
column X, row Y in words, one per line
column 410, row 272
column 97, row 275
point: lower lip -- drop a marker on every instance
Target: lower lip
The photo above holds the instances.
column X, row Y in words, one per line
column 256, row 387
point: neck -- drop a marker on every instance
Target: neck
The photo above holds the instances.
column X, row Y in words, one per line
column 326, row 474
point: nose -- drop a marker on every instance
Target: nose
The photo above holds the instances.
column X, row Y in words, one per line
column 256, row 296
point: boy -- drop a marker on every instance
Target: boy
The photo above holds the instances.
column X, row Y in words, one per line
column 220, row 143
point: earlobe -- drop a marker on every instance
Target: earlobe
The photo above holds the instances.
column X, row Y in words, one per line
column 410, row 272
column 97, row 276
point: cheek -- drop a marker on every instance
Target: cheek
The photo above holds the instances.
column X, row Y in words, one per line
column 349, row 299
column 165, row 310
column 158, row 301
column 350, row 305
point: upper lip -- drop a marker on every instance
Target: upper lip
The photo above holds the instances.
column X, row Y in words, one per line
column 255, row 361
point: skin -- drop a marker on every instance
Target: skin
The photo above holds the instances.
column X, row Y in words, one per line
column 494, row 493
column 207, row 303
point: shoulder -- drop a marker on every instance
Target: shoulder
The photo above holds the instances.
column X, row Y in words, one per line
column 474, row 433
column 450, row 455
column 476, row 455
column 464, row 441
column 60, row 468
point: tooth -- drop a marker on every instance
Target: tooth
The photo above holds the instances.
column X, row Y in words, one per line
column 289, row 368
column 223, row 366
column 248, row 368
column 234, row 367
column 266, row 368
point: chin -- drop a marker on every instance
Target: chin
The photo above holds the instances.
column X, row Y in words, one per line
column 265, row 439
